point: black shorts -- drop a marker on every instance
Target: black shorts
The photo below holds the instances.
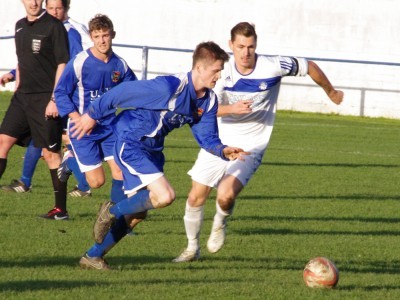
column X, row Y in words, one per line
column 25, row 119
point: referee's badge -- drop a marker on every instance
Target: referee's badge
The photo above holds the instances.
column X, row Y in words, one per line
column 116, row 75
column 36, row 45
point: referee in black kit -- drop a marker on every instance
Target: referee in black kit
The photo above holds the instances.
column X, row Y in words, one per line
column 42, row 50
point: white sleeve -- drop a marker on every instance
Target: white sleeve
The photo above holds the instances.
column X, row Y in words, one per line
column 293, row 66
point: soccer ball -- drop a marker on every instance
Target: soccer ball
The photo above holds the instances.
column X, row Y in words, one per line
column 321, row 272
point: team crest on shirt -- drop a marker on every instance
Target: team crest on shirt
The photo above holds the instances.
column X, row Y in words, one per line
column 36, row 44
column 263, row 86
column 200, row 111
column 116, row 75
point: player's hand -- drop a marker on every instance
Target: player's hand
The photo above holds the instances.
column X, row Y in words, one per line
column 6, row 78
column 242, row 107
column 336, row 96
column 233, row 153
column 81, row 125
column 51, row 110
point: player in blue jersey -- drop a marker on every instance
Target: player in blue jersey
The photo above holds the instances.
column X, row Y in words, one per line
column 58, row 9
column 248, row 93
column 86, row 77
column 153, row 108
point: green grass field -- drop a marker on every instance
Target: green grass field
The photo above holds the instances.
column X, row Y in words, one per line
column 328, row 186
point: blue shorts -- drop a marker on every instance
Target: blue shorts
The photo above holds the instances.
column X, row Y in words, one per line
column 92, row 150
column 140, row 166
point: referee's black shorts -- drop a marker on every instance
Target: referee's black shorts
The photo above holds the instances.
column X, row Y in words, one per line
column 25, row 119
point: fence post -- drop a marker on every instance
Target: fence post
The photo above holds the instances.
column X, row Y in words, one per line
column 145, row 58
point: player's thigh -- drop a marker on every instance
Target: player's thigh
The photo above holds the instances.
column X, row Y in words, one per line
column 95, row 177
column 88, row 153
column 198, row 194
column 208, row 169
column 15, row 123
column 139, row 166
column 243, row 170
column 116, row 172
column 161, row 191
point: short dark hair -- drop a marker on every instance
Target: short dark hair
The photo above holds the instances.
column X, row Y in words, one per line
column 99, row 22
column 65, row 4
column 209, row 51
column 243, row 28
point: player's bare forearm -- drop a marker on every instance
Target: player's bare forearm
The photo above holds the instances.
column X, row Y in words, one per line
column 320, row 78
column 241, row 107
column 233, row 153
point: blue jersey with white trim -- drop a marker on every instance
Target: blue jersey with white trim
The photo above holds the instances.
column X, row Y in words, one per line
column 74, row 40
column 85, row 79
column 156, row 107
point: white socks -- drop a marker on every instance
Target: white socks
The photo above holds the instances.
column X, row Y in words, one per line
column 220, row 216
column 193, row 220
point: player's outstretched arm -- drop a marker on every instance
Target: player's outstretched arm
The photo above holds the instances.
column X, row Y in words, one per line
column 320, row 78
column 233, row 153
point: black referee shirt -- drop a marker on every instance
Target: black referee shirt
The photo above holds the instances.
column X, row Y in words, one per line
column 41, row 46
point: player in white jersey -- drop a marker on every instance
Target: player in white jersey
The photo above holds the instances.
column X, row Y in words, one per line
column 247, row 94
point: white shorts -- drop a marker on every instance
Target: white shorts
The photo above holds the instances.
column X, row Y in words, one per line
column 209, row 169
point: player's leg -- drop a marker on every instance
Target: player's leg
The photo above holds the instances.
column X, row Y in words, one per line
column 94, row 257
column 14, row 126
column 32, row 156
column 237, row 175
column 70, row 165
column 46, row 134
column 6, row 143
column 23, row 185
column 193, row 220
column 117, row 185
column 205, row 173
column 224, row 208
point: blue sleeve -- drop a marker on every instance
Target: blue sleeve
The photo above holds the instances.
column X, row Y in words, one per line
column 14, row 73
column 75, row 42
column 65, row 89
column 153, row 94
column 129, row 75
column 206, row 133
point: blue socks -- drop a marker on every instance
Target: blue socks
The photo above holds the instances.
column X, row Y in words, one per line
column 32, row 156
column 116, row 233
column 137, row 203
column 117, row 191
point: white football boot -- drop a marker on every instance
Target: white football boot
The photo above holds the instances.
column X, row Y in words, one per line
column 187, row 256
column 217, row 238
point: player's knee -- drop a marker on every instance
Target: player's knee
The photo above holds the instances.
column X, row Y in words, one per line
column 196, row 200
column 166, row 198
column 95, row 183
column 226, row 201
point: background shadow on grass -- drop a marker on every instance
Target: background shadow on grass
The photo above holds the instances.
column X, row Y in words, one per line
column 283, row 231
column 37, row 285
column 320, row 197
column 323, row 219
column 340, row 165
